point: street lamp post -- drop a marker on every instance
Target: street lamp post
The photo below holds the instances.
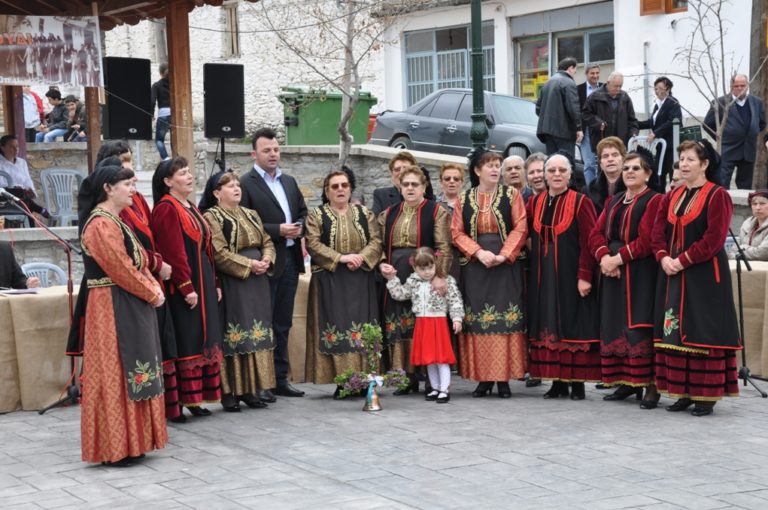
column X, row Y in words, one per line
column 479, row 131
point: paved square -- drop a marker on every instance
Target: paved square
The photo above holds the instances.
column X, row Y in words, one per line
column 521, row 453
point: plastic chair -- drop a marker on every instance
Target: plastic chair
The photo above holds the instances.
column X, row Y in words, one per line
column 42, row 270
column 10, row 212
column 60, row 187
column 638, row 140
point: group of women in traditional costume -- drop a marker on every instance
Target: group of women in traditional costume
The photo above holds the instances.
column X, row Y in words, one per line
column 624, row 298
column 175, row 308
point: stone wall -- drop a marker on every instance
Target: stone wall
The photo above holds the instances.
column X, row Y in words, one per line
column 308, row 164
column 36, row 245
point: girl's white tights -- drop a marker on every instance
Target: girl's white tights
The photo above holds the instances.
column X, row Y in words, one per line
column 439, row 376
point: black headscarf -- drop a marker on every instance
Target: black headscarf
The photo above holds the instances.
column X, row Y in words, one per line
column 713, row 170
column 208, row 200
column 91, row 191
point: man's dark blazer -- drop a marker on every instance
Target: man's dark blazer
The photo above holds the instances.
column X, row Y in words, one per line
column 739, row 142
column 258, row 196
column 11, row 274
column 385, row 197
column 581, row 88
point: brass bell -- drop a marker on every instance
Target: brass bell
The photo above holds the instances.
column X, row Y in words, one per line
column 372, row 402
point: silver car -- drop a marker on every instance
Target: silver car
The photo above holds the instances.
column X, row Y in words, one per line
column 441, row 122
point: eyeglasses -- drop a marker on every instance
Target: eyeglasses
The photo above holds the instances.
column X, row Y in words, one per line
column 558, row 169
column 449, row 178
column 339, row 185
column 410, row 184
column 634, row 168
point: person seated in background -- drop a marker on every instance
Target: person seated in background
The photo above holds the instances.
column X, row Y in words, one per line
column 57, row 119
column 21, row 185
column 11, row 275
column 76, row 120
column 753, row 234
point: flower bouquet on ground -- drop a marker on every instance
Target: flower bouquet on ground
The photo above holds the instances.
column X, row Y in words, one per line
column 368, row 341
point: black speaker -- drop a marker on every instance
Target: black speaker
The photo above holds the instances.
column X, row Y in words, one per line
column 224, row 88
column 129, row 109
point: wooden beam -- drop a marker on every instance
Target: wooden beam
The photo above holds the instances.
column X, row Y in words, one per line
column 93, row 111
column 177, row 30
column 13, row 111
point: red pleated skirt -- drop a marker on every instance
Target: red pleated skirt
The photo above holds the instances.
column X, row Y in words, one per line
column 710, row 377
column 431, row 342
column 565, row 365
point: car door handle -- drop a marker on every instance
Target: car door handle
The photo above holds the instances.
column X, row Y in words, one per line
column 451, row 128
column 414, row 124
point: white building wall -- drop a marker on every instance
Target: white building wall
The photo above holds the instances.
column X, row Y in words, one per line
column 666, row 34
column 267, row 65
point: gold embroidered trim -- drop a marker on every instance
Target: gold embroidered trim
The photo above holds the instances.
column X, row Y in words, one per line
column 93, row 283
column 681, row 348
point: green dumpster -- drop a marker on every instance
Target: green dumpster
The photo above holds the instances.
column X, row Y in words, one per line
column 312, row 116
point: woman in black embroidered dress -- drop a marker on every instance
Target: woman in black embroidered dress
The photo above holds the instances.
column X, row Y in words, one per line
column 621, row 244
column 489, row 227
column 184, row 240
column 414, row 223
column 563, row 326
column 696, row 332
column 344, row 243
column 243, row 254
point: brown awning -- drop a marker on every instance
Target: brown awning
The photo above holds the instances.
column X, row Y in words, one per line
column 112, row 13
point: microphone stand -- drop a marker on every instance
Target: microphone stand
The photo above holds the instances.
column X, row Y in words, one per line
column 744, row 373
column 73, row 392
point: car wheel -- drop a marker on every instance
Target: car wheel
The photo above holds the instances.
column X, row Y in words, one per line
column 517, row 150
column 401, row 142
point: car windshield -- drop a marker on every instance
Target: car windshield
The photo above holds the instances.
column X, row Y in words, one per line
column 511, row 110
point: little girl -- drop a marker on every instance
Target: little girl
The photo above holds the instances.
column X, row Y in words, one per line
column 431, row 338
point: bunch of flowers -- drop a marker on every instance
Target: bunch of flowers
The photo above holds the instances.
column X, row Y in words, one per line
column 369, row 343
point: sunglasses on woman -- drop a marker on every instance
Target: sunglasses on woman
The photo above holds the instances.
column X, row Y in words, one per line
column 410, row 184
column 449, row 178
column 339, row 185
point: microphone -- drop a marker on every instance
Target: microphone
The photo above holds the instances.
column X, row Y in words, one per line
column 7, row 194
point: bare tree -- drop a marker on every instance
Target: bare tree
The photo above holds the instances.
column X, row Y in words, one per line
column 706, row 61
column 331, row 39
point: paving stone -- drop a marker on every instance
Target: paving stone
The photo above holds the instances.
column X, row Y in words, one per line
column 522, row 453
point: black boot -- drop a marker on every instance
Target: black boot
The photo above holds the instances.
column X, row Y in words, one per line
column 483, row 389
column 558, row 389
column 577, row 391
column 503, row 389
column 623, row 392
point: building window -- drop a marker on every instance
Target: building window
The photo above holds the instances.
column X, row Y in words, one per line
column 231, row 46
column 662, row 6
column 439, row 59
column 535, row 60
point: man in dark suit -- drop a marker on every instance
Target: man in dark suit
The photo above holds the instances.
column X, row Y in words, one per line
column 745, row 120
column 277, row 199
column 389, row 196
column 592, row 83
column 665, row 111
column 11, row 275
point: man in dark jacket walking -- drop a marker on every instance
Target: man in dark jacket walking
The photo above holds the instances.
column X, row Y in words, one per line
column 609, row 112
column 161, row 95
column 558, row 110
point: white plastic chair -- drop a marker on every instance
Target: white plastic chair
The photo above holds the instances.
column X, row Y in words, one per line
column 60, row 187
column 42, row 271
column 643, row 140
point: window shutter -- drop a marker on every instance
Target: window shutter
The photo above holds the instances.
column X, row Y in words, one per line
column 651, row 7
